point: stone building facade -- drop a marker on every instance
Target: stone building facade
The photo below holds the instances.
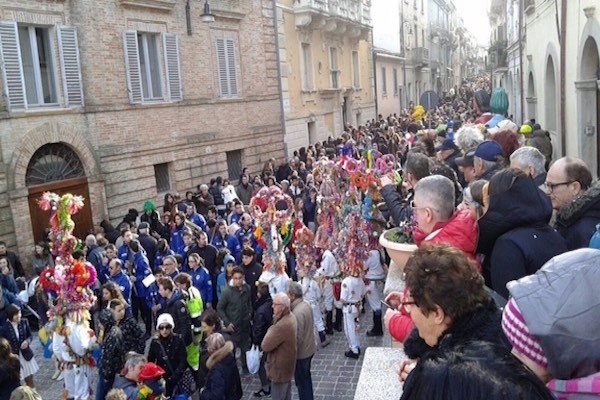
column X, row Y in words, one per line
column 125, row 100
column 326, row 63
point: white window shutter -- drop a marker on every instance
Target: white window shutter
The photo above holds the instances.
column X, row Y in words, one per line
column 222, row 60
column 132, row 63
column 171, row 48
column 232, row 70
column 12, row 69
column 70, row 65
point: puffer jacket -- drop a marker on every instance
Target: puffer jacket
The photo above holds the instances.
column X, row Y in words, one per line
column 577, row 221
column 223, row 381
column 561, row 307
column 459, row 231
column 518, row 238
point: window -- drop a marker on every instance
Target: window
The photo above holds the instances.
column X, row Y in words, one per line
column 53, row 162
column 161, row 174
column 333, row 68
column 383, row 81
column 307, row 73
column 29, row 66
column 395, row 77
column 228, row 77
column 355, row 70
column 148, row 79
column 234, row 165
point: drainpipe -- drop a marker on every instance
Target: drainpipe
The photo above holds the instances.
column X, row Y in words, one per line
column 375, row 83
column 279, row 84
column 563, row 58
column 521, row 23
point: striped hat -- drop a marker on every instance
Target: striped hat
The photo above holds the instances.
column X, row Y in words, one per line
column 517, row 333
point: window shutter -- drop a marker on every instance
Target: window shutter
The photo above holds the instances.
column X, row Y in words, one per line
column 132, row 63
column 171, row 45
column 222, row 60
column 10, row 55
column 231, row 68
column 70, row 65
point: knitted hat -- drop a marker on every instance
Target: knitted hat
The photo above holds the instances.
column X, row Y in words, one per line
column 165, row 319
column 518, row 335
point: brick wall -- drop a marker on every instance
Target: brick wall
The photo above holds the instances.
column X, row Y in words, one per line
column 119, row 143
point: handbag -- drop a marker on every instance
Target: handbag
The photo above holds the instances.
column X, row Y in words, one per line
column 253, row 357
column 186, row 384
column 27, row 353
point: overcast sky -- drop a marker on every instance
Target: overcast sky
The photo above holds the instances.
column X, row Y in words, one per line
column 475, row 15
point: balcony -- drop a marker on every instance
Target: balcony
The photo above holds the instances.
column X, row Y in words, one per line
column 421, row 57
column 498, row 56
column 334, row 16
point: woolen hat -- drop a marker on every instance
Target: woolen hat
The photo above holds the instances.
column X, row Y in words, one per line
column 517, row 333
column 165, row 318
column 488, row 150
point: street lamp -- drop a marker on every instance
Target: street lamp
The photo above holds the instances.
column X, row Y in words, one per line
column 207, row 16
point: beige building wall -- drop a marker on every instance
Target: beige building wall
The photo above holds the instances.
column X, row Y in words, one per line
column 119, row 142
column 542, row 78
column 314, row 106
column 389, row 88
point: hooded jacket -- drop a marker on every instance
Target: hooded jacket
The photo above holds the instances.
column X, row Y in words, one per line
column 576, row 221
column 515, row 228
column 223, row 380
column 222, row 280
column 262, row 320
column 561, row 307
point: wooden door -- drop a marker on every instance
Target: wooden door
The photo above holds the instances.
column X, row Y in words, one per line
column 40, row 218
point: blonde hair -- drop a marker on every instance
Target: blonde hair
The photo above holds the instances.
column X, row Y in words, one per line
column 214, row 342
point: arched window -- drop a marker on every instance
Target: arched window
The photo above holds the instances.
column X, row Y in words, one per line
column 53, row 162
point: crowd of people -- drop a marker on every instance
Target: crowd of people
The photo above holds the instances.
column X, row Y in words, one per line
column 488, row 210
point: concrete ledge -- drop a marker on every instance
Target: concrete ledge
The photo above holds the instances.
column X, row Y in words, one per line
column 379, row 374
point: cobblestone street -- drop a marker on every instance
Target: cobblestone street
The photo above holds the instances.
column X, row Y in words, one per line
column 334, row 376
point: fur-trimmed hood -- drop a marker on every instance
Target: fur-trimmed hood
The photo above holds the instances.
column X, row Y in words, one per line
column 219, row 355
column 587, row 204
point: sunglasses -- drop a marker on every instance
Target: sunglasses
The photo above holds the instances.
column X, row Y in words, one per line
column 164, row 328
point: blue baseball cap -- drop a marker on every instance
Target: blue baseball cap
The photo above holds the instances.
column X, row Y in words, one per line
column 488, row 150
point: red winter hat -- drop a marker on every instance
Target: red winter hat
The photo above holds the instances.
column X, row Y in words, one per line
column 151, row 371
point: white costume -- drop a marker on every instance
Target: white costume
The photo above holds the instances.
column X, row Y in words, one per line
column 329, row 269
column 76, row 377
column 353, row 291
column 375, row 274
column 312, row 295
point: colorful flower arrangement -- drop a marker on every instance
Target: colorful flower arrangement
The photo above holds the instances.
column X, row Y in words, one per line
column 403, row 233
column 69, row 281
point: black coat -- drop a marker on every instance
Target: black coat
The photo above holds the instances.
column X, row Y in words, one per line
column 398, row 208
column 173, row 359
column 177, row 308
column 251, row 274
column 263, row 319
column 577, row 221
column 7, row 332
column 525, row 207
column 483, row 324
column 223, row 381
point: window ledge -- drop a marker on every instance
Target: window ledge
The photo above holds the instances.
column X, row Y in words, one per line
column 160, row 5
column 309, row 91
column 42, row 111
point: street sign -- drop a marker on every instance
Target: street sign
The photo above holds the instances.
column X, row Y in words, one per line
column 429, row 100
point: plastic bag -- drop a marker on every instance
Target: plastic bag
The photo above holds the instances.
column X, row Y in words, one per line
column 253, row 357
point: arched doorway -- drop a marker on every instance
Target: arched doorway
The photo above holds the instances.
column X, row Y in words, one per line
column 55, row 167
column 531, row 98
column 590, row 107
column 550, row 122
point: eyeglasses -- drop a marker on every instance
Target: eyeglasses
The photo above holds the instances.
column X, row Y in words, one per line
column 164, row 328
column 551, row 186
column 407, row 305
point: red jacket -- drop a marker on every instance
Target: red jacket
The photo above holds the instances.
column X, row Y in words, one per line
column 460, row 231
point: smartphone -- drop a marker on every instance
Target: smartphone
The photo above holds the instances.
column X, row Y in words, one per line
column 387, row 305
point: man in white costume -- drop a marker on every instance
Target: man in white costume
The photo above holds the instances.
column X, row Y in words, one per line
column 353, row 291
column 328, row 271
column 376, row 271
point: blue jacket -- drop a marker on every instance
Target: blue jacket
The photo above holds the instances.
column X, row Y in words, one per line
column 158, row 260
column 201, row 281
column 123, row 282
column 229, row 242
column 124, row 253
column 222, row 277
column 141, row 270
column 153, row 297
column 198, row 220
column 177, row 244
column 244, row 234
